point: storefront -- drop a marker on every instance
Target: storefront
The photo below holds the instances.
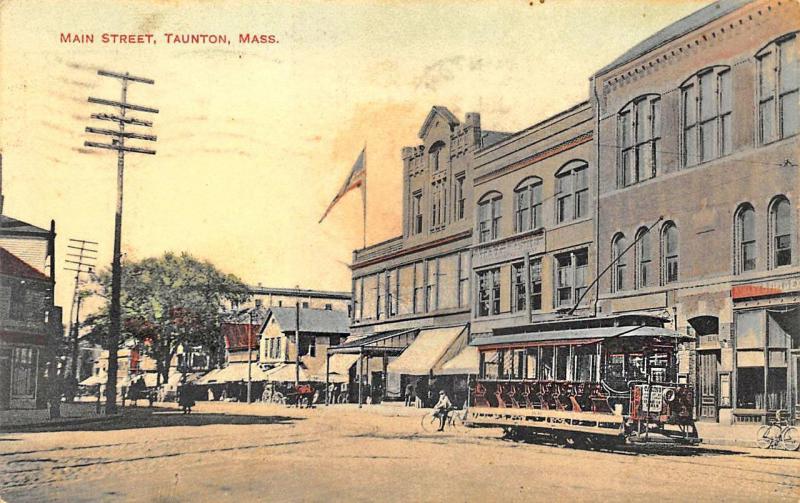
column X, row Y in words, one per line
column 766, row 352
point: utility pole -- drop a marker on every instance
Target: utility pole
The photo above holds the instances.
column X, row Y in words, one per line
column 297, row 342
column 250, row 358
column 118, row 144
column 82, row 261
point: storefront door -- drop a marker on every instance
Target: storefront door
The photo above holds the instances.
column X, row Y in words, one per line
column 707, row 384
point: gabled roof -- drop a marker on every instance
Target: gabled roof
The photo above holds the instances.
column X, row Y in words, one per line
column 10, row 225
column 677, row 29
column 320, row 321
column 442, row 112
column 12, row 265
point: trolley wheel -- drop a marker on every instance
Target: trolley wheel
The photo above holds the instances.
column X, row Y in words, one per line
column 790, row 440
column 766, row 435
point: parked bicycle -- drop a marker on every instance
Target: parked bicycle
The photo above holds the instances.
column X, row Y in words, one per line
column 454, row 421
column 779, row 434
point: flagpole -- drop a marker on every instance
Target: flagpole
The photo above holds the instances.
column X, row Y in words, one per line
column 364, row 196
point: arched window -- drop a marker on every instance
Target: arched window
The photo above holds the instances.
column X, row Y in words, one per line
column 528, row 205
column 778, row 89
column 780, row 216
column 669, row 253
column 638, row 135
column 644, row 259
column 434, row 156
column 572, row 191
column 489, row 216
column 745, row 247
column 618, row 245
column 707, row 102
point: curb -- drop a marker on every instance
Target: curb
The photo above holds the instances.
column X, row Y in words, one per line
column 729, row 442
column 57, row 423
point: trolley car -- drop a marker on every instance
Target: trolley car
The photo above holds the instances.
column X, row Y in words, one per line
column 600, row 381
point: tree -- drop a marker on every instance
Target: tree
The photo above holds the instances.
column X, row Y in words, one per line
column 167, row 302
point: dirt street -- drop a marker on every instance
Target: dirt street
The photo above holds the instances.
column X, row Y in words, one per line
column 235, row 452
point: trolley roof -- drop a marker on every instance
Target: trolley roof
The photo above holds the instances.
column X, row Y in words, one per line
column 579, row 336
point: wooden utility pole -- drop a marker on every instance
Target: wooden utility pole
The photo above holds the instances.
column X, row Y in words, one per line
column 118, row 144
column 297, row 342
column 82, row 261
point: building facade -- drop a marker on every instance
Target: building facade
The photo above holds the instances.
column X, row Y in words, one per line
column 422, row 278
column 532, row 251
column 697, row 145
column 29, row 320
column 267, row 297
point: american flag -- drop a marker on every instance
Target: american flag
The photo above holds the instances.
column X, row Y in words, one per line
column 356, row 178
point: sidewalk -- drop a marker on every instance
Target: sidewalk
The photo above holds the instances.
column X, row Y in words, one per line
column 71, row 413
column 742, row 435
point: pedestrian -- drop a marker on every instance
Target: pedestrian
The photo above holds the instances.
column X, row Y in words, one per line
column 186, row 398
column 410, row 392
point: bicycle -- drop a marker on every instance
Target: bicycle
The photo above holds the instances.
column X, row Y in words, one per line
column 453, row 422
column 778, row 434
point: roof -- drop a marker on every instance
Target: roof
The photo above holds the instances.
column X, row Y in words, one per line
column 12, row 265
column 299, row 292
column 451, row 119
column 10, row 225
column 426, row 352
column 236, row 335
column 677, row 29
column 373, row 340
column 579, row 335
column 489, row 138
column 320, row 321
column 234, row 372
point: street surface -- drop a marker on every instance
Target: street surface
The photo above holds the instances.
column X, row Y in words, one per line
column 236, row 452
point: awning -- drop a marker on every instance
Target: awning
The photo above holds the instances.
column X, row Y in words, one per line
column 576, row 336
column 339, row 367
column 427, row 351
column 94, row 380
column 235, row 372
column 287, row 373
column 465, row 362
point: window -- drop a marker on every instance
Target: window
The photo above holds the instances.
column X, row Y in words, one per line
column 328, row 307
column 669, row 253
column 518, row 293
column 419, row 286
column 391, row 298
column 536, row 284
column 489, row 216
column 778, row 95
column 488, row 292
column 706, row 114
column 23, row 372
column 571, row 277
column 762, row 340
column 431, row 285
column 618, row 245
column 434, row 156
column 438, row 204
column 781, row 232
column 416, row 213
column 643, row 259
column 638, row 135
column 463, row 279
column 572, row 192
column 528, row 205
column 745, row 249
column 19, row 300
column 459, row 197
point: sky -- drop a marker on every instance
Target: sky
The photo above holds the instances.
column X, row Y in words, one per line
column 254, row 140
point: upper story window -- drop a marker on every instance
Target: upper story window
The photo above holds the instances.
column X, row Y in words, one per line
column 571, row 278
column 572, row 191
column 438, row 204
column 518, row 287
column 416, row 213
column 528, row 205
column 459, row 197
column 536, row 284
column 434, row 156
column 780, row 216
column 488, row 292
column 643, row 259
column 778, row 84
column 489, row 216
column 706, row 114
column 746, row 250
column 639, row 135
column 618, row 245
column 669, row 253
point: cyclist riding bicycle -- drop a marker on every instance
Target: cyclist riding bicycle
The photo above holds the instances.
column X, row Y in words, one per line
column 442, row 408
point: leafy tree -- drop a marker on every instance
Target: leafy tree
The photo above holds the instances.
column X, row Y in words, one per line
column 167, row 302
